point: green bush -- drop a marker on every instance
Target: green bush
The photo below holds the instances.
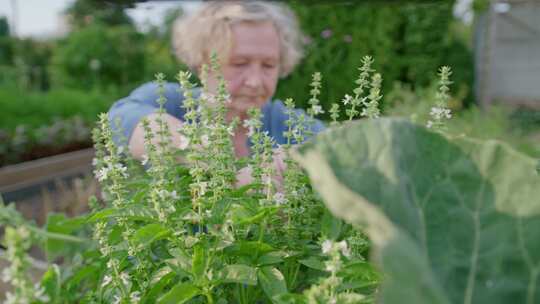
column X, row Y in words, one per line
column 99, row 56
column 25, row 62
column 37, row 108
column 417, row 37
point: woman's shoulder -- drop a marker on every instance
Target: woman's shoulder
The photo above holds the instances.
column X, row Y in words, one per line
column 149, row 92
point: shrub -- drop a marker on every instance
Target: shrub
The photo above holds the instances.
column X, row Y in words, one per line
column 99, row 56
column 410, row 41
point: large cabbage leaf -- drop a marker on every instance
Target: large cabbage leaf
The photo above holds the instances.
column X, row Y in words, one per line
column 452, row 220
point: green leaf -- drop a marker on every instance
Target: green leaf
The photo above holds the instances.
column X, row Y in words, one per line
column 134, row 212
column 181, row 259
column 248, row 248
column 330, row 226
column 102, row 214
column 90, row 272
column 314, row 263
column 242, row 274
column 160, row 280
column 180, row 293
column 272, row 281
column 289, row 298
column 274, row 257
column 452, row 220
column 51, row 282
column 198, row 264
column 59, row 225
column 150, row 233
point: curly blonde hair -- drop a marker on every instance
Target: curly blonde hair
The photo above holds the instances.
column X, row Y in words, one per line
column 196, row 36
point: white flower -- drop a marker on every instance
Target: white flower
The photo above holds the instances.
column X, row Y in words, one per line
column 205, row 141
column 317, row 109
column 112, row 263
column 227, row 98
column 250, row 125
column 39, row 294
column 124, row 277
column 94, row 161
column 117, row 299
column 202, row 188
column 10, row 299
column 144, row 160
column 429, row 124
column 184, row 142
column 279, row 198
column 438, row 113
column 230, row 130
column 6, row 275
column 266, row 179
column 164, row 194
column 327, row 246
column 344, row 248
column 209, row 98
column 106, row 281
column 120, row 150
column 122, row 170
column 347, row 99
column 331, row 267
column 135, row 297
column 102, row 174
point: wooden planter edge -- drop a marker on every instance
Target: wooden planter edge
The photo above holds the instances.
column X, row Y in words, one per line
column 19, row 176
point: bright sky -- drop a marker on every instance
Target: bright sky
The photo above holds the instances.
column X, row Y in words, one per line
column 41, row 18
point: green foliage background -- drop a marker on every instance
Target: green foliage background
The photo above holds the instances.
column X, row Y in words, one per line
column 119, row 51
column 409, row 42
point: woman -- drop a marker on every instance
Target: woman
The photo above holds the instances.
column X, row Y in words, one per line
column 257, row 43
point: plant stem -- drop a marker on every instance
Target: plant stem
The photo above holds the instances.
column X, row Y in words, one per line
column 56, row 236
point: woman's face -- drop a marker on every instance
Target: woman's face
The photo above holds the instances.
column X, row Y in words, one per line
column 252, row 69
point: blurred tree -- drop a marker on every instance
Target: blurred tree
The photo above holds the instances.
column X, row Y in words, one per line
column 32, row 58
column 6, row 48
column 100, row 56
column 85, row 12
column 4, row 27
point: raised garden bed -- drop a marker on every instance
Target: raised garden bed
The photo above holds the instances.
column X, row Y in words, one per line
column 24, row 175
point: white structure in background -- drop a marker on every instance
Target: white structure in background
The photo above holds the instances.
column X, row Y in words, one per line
column 507, row 54
column 43, row 19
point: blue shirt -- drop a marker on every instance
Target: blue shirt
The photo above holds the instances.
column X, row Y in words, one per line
column 143, row 101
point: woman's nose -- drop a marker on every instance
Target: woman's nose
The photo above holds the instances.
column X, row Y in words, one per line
column 254, row 77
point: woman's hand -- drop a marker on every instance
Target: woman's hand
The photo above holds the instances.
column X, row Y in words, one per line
column 243, row 177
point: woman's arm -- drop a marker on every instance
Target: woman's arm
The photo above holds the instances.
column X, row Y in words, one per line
column 136, row 142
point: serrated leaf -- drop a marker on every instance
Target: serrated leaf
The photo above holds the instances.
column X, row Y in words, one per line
column 133, row 212
column 242, row 274
column 314, row 263
column 272, row 281
column 452, row 220
column 150, row 233
column 274, row 257
column 180, row 293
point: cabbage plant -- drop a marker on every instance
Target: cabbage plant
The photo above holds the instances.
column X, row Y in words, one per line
column 451, row 219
